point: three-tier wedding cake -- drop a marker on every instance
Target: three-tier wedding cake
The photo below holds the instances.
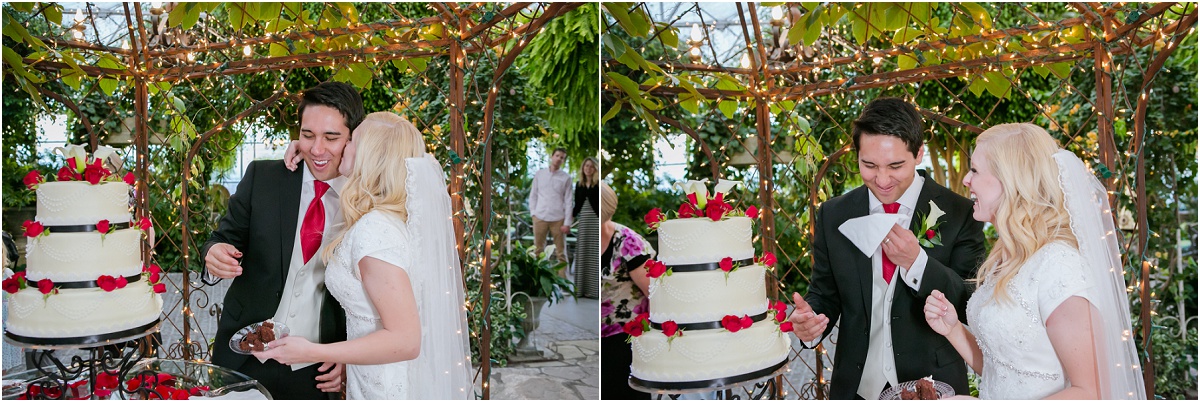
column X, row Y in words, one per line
column 710, row 321
column 85, row 281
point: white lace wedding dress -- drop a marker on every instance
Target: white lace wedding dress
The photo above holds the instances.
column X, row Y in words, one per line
column 385, row 238
column 1018, row 360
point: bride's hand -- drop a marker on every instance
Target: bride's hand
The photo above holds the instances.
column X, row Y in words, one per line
column 290, row 350
column 292, row 157
column 940, row 313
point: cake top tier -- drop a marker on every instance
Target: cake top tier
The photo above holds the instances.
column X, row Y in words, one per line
column 79, row 167
column 701, row 205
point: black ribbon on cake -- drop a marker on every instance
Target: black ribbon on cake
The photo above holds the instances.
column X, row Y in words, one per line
column 89, row 284
column 708, row 325
column 86, row 228
column 705, row 384
column 82, row 340
column 708, row 266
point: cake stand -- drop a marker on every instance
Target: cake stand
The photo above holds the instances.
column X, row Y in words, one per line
column 54, row 372
column 757, row 385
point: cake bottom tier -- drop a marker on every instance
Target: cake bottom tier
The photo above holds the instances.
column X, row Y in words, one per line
column 81, row 313
column 711, row 354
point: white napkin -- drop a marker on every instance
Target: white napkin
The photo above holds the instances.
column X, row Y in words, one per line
column 869, row 231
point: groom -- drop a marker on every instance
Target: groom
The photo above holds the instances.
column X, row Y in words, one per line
column 270, row 241
column 883, row 337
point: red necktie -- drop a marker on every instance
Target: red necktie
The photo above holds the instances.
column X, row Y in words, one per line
column 314, row 222
column 888, row 267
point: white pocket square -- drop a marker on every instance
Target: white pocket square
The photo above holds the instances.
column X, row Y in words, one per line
column 869, row 231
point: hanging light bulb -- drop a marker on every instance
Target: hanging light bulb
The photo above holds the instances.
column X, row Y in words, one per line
column 695, row 54
column 246, row 50
column 777, row 14
column 696, row 33
column 125, row 44
column 191, row 56
column 77, row 34
column 78, row 15
column 745, row 60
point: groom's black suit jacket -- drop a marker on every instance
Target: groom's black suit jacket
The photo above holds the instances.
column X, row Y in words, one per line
column 841, row 288
column 261, row 223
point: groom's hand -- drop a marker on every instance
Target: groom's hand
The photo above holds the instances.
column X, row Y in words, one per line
column 222, row 261
column 901, row 247
column 331, row 380
column 805, row 323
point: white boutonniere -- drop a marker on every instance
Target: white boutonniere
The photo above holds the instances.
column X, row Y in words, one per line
column 927, row 234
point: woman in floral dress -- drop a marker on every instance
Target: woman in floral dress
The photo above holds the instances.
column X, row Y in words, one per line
column 623, row 293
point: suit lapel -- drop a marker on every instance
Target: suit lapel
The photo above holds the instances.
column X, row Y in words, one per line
column 289, row 204
column 928, row 191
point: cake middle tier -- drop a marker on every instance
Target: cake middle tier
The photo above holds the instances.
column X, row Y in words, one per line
column 68, row 257
column 700, row 240
column 690, row 297
column 700, row 355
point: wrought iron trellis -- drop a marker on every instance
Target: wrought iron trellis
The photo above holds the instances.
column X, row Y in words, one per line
column 776, row 80
column 471, row 29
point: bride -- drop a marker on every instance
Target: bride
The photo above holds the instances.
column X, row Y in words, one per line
column 1050, row 318
column 396, row 273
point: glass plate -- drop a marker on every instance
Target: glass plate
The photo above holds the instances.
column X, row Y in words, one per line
column 281, row 331
column 944, row 390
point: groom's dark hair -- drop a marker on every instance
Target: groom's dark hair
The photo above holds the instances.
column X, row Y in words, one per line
column 337, row 95
column 891, row 116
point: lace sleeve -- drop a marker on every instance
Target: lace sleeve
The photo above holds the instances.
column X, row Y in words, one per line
column 1061, row 275
column 377, row 236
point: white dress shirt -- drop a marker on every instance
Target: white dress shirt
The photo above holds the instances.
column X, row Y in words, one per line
column 880, row 366
column 304, row 289
column 551, row 196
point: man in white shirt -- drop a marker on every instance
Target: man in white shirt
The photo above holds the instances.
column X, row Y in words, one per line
column 883, row 339
column 269, row 244
column 550, row 200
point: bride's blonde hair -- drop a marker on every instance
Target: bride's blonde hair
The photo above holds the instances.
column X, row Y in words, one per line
column 377, row 181
column 1031, row 212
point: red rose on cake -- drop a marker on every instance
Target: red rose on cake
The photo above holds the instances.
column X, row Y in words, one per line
column 654, row 218
column 33, row 179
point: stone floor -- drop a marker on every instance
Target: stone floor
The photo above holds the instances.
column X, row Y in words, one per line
column 569, row 365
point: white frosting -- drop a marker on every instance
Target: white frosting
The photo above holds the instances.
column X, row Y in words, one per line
column 700, row 240
column 81, row 312
column 84, row 256
column 688, row 297
column 709, row 354
column 81, row 203
column 706, row 296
